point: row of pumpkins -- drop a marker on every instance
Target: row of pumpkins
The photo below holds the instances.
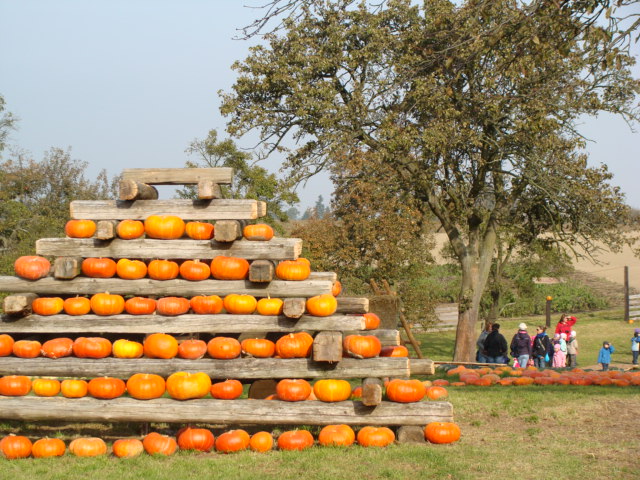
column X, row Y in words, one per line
column 34, row 267
column 203, row 440
column 165, row 346
column 187, row 386
column 164, row 227
column 106, row 304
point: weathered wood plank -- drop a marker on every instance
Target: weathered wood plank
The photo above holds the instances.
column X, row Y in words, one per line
column 178, row 176
column 352, row 304
column 132, row 190
column 372, row 391
column 215, row 209
column 65, row 268
column 240, row 368
column 294, row 307
column 246, row 411
column 18, row 305
column 275, row 249
column 208, row 189
column 261, row 271
column 411, row 434
column 422, row 366
column 327, row 346
column 223, row 323
column 106, row 229
column 177, row 287
column 227, row 231
column 386, row 336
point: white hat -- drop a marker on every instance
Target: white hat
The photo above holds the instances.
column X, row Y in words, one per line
column 522, row 326
column 573, row 333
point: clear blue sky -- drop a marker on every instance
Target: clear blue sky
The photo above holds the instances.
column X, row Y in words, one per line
column 129, row 83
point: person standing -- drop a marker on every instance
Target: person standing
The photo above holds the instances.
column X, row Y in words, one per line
column 521, row 345
column 604, row 357
column 541, row 347
column 572, row 350
column 495, row 346
column 480, row 357
column 565, row 324
column 635, row 345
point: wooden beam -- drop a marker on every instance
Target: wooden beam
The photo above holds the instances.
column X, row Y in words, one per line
column 245, row 411
column 216, row 209
column 294, row 307
column 352, row 304
column 411, row 434
column 222, row 323
column 18, row 305
column 422, row 366
column 66, row 268
column 275, row 249
column 327, row 347
column 176, row 287
column 178, row 176
column 208, row 189
column 240, row 368
column 372, row 391
column 227, row 231
column 132, row 190
column 261, row 271
column 106, row 229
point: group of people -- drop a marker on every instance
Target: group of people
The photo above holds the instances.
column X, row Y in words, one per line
column 539, row 350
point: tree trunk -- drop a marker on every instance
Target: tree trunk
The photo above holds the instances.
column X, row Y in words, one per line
column 494, row 309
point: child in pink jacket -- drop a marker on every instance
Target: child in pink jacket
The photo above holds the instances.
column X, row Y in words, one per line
column 559, row 357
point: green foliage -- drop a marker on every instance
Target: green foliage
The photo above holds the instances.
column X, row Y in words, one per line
column 7, row 123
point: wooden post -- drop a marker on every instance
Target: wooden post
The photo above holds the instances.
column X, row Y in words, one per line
column 404, row 322
column 372, row 391
column 548, row 311
column 626, row 294
column 327, row 347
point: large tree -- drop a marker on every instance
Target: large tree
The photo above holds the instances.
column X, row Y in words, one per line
column 7, row 123
column 473, row 110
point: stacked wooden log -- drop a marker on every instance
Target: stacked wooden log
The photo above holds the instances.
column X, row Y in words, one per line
column 138, row 201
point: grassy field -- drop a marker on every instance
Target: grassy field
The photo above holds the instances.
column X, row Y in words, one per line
column 564, row 432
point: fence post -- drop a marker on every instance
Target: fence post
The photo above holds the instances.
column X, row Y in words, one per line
column 626, row 294
column 548, row 311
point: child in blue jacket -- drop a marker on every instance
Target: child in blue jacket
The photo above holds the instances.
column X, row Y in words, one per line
column 635, row 345
column 604, row 357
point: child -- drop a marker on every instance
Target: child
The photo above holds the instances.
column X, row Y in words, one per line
column 563, row 342
column 559, row 357
column 572, row 350
column 635, row 345
column 604, row 357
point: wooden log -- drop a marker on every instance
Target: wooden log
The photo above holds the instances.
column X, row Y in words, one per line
column 176, row 287
column 262, row 209
column 372, row 391
column 261, row 271
column 240, row 368
column 178, row 176
column 66, row 268
column 223, row 323
column 294, row 307
column 18, row 305
column 132, row 190
column 227, row 231
column 352, row 304
column 422, row 366
column 327, row 346
column 386, row 336
column 260, row 412
column 146, row 248
column 106, row 229
column 262, row 388
column 216, row 209
column 411, row 434
column 208, row 189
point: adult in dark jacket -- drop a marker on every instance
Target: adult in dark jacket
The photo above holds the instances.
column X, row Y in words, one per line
column 521, row 345
column 495, row 346
column 541, row 347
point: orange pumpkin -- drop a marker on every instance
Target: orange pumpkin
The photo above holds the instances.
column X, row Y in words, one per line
column 80, row 228
column 270, row 306
column 436, row 393
column 106, row 388
column 362, row 346
column 233, row 441
column 259, row 232
column 72, row 388
column 172, row 306
column 293, row 270
column 258, row 347
column 15, row 446
column 336, row 435
column 199, row 439
column 47, row 305
column 295, row 440
column 194, row 270
column 206, row 305
column 107, row 304
column 130, row 229
column 192, row 349
column 92, row 347
column 294, row 345
column 375, row 436
column 394, row 351
column 371, row 321
column 57, row 347
column 140, row 306
column 293, row 390
column 48, row 447
column 6, row 345
column 77, row 306
column 224, row 348
column 322, row 305
column 164, row 227
column 199, row 230
column 163, row 269
column 160, row 345
column 229, row 268
column 226, row 390
column 45, row 387
column 336, row 289
column 31, row 267
column 183, row 385
column 15, row 385
column 330, row 390
column 127, row 448
column 240, row 304
column 261, row 442
column 145, row 386
column 157, row 444
column 131, row 269
column 123, row 348
column 27, row 348
column 405, row 391
column 442, row 432
column 99, row 267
